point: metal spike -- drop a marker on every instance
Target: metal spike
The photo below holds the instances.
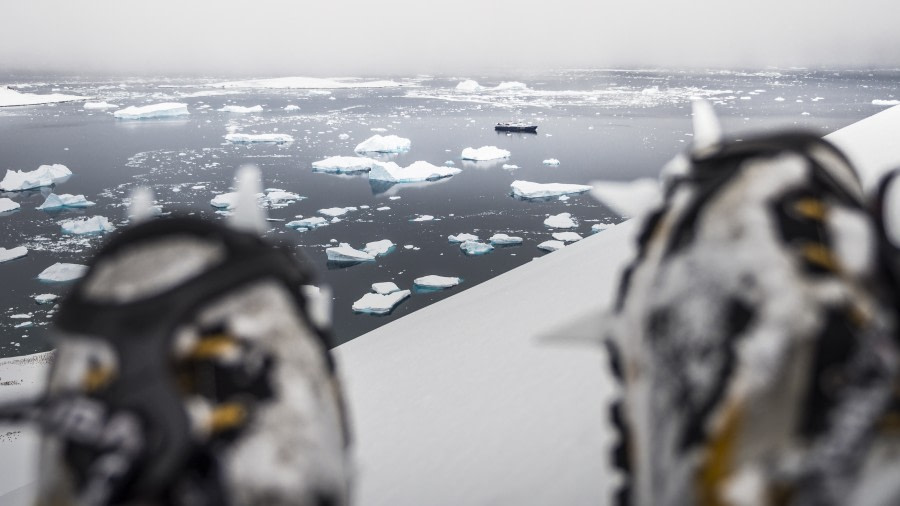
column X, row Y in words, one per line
column 247, row 215
column 141, row 207
column 707, row 131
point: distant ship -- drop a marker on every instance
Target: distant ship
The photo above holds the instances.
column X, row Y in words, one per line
column 515, row 127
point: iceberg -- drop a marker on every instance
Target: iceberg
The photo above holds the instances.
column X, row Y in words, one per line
column 259, row 138
column 551, row 161
column 416, row 172
column 376, row 303
column 281, row 198
column 45, row 175
column 436, row 282
column 334, row 212
column 475, row 248
column 562, row 220
column 567, row 236
column 291, row 107
column 629, row 199
column 45, row 298
column 423, row 217
column 551, row 245
column 62, row 272
column 93, row 225
column 509, row 166
column 504, row 240
column 12, row 98
column 529, row 190
column 164, row 110
column 469, row 86
column 885, row 102
column 98, row 105
column 307, row 224
column 462, row 238
column 385, row 288
column 344, row 164
column 306, row 83
column 54, row 202
column 383, row 144
column 484, row 153
column 239, row 109
column 7, row 205
column 598, row 227
column 379, row 248
column 346, row 254
column 13, row 253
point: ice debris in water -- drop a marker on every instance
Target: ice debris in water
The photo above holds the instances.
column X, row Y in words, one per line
column 551, row 161
column 509, row 166
column 164, row 110
column 13, row 253
column 567, row 236
column 336, row 211
column 503, row 240
column 235, row 138
column 92, row 225
column 385, row 288
column 344, row 253
column 379, row 248
column 561, row 220
column 229, row 200
column 598, row 227
column 61, row 272
column 376, row 303
column 484, row 153
column 629, row 199
column 529, row 190
column 551, row 245
column 344, row 164
column 436, row 282
column 45, row 175
column 885, row 102
column 10, row 98
column 423, row 217
column 54, row 202
column 462, row 238
column 475, row 248
column 307, row 223
column 98, row 105
column 291, row 107
column 383, row 144
column 281, row 198
column 45, row 298
column 7, row 205
column 241, row 109
column 416, row 172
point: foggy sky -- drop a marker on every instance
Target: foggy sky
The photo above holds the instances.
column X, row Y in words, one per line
column 372, row 37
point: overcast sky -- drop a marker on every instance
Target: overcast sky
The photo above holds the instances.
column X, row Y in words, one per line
column 372, row 37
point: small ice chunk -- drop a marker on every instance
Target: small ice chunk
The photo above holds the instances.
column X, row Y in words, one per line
column 61, row 272
column 379, row 248
column 259, row 138
column 885, row 102
column 280, row 197
column 343, row 137
column 436, row 282
column 551, row 245
column 344, row 164
column 567, row 236
column 475, row 248
column 462, row 238
column 291, row 107
column 561, row 220
column 7, row 205
column 383, row 208
column 385, row 288
column 241, row 109
column 22, row 316
column 23, row 325
column 415, row 172
column 164, row 110
column 376, row 303
column 551, row 161
column 598, row 227
column 395, row 197
column 13, row 253
column 92, row 225
column 503, row 239
column 468, row 86
column 334, row 212
column 45, row 175
column 45, row 298
column 529, row 190
column 346, row 254
column 99, row 105
column 509, row 166
column 307, row 223
column 423, row 217
column 630, row 199
column 484, row 153
column 54, row 202
column 383, row 144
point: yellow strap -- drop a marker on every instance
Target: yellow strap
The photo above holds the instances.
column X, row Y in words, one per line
column 227, row 416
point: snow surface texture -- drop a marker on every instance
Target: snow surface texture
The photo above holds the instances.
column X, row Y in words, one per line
column 376, row 303
column 529, row 190
column 561, row 220
column 239, row 109
column 344, row 164
column 62, row 272
column 504, row 240
column 12, row 98
column 13, row 253
column 436, row 282
column 55, row 202
column 484, row 153
column 164, row 110
column 383, row 144
column 259, row 138
column 45, row 175
column 7, row 205
column 92, row 225
column 416, row 172
column 346, row 254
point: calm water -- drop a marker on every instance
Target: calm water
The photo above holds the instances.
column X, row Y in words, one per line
column 600, row 124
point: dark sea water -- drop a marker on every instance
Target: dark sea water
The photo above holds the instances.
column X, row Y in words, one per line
column 600, row 124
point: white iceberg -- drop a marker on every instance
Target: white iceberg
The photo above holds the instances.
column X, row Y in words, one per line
column 281, row 198
column 344, row 164
column 54, row 201
column 45, row 298
column 385, row 287
column 551, row 245
column 436, row 282
column 885, row 102
column 13, row 253
column 7, row 205
column 468, row 86
column 45, row 175
column 423, row 217
column 376, row 303
column 259, row 138
column 484, row 153
column 462, row 238
column 567, row 236
column 307, row 223
column 551, row 161
column 416, row 172
column 239, row 109
column 92, row 225
column 379, row 248
column 504, row 240
column 164, row 110
column 509, row 166
column 346, row 254
column 475, row 248
column 306, row 83
column 291, row 107
column 61, row 272
column 529, row 190
column 562, row 220
column 383, row 144
column 629, row 199
column 98, row 105
column 12, row 98
column 334, row 212
column 598, row 227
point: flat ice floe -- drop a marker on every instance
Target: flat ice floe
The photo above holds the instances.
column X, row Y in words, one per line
column 62, row 272
column 551, row 245
column 561, row 220
column 567, row 236
column 239, row 109
column 13, row 253
column 416, row 172
column 462, row 238
column 307, row 83
column 384, row 144
column 379, row 304
column 45, row 175
column 13, row 98
column 291, row 107
column 475, row 248
column 529, row 190
column 92, row 225
column 379, row 248
column 344, row 253
column 484, row 153
column 281, row 198
column 629, row 199
column 436, row 282
column 7, row 205
column 504, row 240
column 54, row 202
column 344, row 164
column 885, row 102
column 259, row 138
column 385, row 288
column 98, row 106
column 423, row 217
column 307, row 223
column 551, row 161
column 334, row 212
column 45, row 298
column 163, row 110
